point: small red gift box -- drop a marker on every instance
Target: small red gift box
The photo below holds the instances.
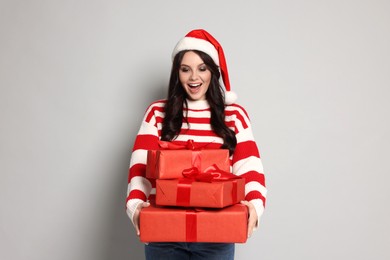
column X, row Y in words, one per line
column 172, row 224
column 169, row 164
column 189, row 193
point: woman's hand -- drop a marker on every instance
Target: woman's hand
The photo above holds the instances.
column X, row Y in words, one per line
column 136, row 216
column 252, row 220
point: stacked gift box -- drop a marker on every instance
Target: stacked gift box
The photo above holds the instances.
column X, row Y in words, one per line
column 197, row 198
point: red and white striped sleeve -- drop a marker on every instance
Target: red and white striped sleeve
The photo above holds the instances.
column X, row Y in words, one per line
column 246, row 158
column 140, row 188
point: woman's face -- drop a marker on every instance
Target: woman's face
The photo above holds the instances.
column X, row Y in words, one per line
column 194, row 76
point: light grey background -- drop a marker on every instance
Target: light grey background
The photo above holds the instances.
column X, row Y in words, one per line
column 76, row 77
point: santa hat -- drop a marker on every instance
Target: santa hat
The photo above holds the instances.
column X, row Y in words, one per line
column 201, row 40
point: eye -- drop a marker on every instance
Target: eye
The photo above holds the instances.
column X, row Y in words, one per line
column 202, row 68
column 184, row 69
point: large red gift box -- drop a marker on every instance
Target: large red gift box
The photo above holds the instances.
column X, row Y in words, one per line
column 173, row 224
column 188, row 193
column 169, row 164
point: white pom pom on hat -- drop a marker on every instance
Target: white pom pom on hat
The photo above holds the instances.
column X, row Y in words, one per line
column 201, row 40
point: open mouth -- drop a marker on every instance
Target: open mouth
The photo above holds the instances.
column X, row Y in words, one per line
column 195, row 85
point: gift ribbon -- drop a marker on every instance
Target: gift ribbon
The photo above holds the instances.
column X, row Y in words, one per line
column 165, row 145
column 183, row 192
column 189, row 145
column 211, row 174
column 191, row 226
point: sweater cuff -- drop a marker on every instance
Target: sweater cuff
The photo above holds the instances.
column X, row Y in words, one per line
column 259, row 207
column 131, row 206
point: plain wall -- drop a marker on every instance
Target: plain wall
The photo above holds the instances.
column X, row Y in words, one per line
column 77, row 76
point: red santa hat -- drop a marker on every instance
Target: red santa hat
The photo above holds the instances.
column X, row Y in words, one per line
column 201, row 40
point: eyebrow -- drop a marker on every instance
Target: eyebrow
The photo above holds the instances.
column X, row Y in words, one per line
column 190, row 66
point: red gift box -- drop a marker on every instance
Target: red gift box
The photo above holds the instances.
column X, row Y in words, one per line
column 172, row 224
column 169, row 164
column 189, row 193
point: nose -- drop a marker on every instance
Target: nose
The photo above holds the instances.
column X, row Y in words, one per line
column 193, row 75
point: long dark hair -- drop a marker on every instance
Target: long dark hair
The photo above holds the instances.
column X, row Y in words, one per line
column 177, row 99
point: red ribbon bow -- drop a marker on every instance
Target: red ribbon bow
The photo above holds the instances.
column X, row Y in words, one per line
column 212, row 173
column 190, row 145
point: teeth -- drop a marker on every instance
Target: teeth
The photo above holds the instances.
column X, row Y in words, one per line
column 194, row 85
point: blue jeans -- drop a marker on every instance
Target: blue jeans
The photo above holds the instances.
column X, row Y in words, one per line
column 193, row 251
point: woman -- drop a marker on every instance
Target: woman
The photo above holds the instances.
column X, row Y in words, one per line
column 197, row 108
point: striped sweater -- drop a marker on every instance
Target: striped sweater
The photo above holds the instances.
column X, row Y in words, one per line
column 245, row 161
